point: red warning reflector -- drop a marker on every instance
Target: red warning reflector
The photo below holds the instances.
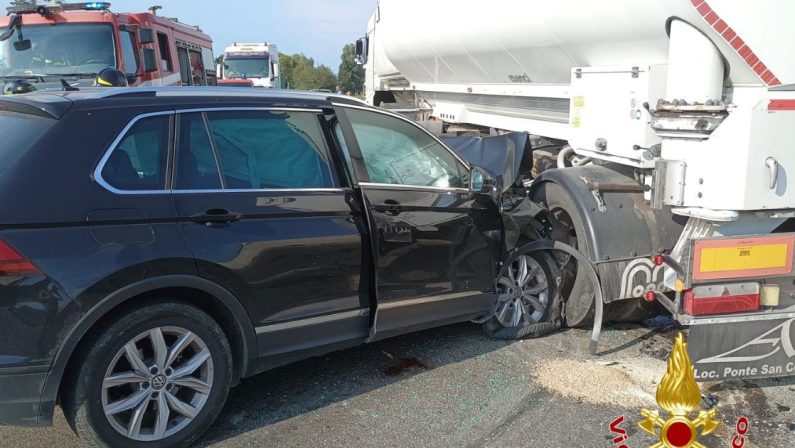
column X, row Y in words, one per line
column 722, row 299
column 781, row 105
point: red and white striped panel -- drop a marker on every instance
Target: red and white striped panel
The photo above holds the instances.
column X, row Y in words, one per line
column 739, row 45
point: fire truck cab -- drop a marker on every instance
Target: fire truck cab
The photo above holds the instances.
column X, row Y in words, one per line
column 47, row 44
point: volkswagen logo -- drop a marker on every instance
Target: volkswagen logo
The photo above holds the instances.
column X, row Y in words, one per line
column 158, row 382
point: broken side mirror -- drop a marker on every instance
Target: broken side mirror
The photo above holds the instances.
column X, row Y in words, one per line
column 480, row 181
column 149, row 60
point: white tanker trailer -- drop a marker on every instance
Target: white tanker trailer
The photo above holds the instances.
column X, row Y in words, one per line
column 675, row 130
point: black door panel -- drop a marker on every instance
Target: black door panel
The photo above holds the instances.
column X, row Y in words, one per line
column 287, row 256
column 425, row 245
column 434, row 246
column 259, row 205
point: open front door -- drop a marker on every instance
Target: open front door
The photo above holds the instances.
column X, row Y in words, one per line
column 433, row 261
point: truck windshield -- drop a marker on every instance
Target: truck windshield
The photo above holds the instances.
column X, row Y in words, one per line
column 64, row 49
column 246, row 68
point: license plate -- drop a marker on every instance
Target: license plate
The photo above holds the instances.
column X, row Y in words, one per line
column 727, row 258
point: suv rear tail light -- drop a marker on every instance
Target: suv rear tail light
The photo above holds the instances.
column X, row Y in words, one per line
column 722, row 299
column 12, row 263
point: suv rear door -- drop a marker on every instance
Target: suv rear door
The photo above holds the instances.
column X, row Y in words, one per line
column 259, row 200
column 435, row 246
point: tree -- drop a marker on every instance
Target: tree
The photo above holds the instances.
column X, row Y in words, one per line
column 298, row 72
column 351, row 74
column 324, row 78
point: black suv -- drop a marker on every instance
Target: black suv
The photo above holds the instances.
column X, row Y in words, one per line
column 158, row 245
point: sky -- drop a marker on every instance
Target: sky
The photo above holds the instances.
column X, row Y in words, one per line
column 317, row 28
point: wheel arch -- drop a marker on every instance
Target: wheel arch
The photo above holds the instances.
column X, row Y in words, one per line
column 212, row 298
column 620, row 221
column 623, row 230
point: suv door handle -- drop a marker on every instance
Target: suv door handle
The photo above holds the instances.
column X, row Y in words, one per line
column 216, row 217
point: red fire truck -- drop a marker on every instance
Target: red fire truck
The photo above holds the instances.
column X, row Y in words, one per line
column 47, row 44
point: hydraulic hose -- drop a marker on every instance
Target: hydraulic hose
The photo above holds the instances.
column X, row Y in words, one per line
column 592, row 276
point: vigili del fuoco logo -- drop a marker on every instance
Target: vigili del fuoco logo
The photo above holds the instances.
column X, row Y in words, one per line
column 679, row 396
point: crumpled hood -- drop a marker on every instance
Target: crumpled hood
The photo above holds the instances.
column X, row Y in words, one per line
column 502, row 155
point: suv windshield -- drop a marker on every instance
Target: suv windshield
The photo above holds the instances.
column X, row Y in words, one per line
column 246, row 68
column 64, row 49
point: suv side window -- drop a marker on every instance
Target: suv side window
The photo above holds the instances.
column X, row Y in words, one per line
column 139, row 161
column 197, row 165
column 266, row 150
column 398, row 152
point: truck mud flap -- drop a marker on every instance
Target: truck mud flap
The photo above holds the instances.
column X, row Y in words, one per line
column 743, row 349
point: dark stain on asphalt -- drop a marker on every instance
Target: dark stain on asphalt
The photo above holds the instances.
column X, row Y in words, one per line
column 782, row 408
column 404, row 365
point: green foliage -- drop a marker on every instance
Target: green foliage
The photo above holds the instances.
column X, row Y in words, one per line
column 351, row 75
column 299, row 72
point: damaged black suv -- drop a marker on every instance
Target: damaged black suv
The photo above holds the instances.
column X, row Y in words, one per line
column 158, row 245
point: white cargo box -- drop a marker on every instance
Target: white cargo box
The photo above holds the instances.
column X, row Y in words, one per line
column 607, row 117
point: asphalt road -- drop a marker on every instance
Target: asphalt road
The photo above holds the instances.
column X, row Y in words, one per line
column 453, row 387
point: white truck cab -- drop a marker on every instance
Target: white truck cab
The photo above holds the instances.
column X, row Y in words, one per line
column 254, row 64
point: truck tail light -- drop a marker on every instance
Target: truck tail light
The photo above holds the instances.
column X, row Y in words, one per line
column 12, row 263
column 722, row 299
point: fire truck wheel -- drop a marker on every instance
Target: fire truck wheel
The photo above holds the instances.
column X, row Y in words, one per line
column 156, row 376
column 528, row 303
column 567, row 227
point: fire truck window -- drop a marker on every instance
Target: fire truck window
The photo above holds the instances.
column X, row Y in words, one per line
column 66, row 49
column 165, row 55
column 139, row 161
column 184, row 66
column 262, row 150
column 197, row 168
column 129, row 53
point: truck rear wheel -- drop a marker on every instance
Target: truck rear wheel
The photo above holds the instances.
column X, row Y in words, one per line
column 567, row 227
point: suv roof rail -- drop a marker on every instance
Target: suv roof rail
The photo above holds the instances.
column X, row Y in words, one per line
column 47, row 106
column 137, row 93
column 152, row 92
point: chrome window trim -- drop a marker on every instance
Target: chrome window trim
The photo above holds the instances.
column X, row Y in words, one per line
column 104, row 160
column 97, row 174
column 269, row 190
column 249, row 109
column 398, row 116
column 413, row 187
